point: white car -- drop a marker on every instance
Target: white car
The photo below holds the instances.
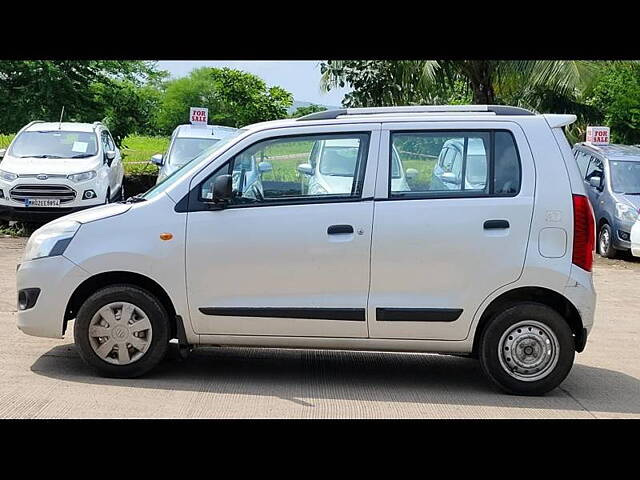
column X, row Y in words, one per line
column 187, row 142
column 635, row 239
column 502, row 275
column 52, row 169
column 332, row 163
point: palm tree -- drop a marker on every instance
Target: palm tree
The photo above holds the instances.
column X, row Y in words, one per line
column 488, row 81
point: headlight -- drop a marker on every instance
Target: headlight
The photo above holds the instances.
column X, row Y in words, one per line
column 626, row 212
column 50, row 240
column 82, row 177
column 8, row 176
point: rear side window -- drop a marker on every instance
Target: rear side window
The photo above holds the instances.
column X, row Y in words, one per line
column 455, row 163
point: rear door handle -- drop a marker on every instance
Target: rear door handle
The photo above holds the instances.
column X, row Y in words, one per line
column 495, row 224
column 337, row 229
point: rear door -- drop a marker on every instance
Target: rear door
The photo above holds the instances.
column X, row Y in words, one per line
column 438, row 251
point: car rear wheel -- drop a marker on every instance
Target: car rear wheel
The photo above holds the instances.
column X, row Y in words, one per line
column 122, row 331
column 605, row 242
column 527, row 349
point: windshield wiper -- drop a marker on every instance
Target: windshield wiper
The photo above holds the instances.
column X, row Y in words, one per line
column 40, row 156
column 84, row 155
column 135, row 199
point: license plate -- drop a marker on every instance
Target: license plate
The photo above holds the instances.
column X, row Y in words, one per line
column 41, row 202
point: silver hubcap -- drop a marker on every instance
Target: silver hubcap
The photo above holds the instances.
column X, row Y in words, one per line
column 120, row 333
column 529, row 351
column 604, row 241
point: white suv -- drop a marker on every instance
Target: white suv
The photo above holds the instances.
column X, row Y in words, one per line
column 500, row 271
column 52, row 169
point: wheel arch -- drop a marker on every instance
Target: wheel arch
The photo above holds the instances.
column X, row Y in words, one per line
column 542, row 295
column 105, row 279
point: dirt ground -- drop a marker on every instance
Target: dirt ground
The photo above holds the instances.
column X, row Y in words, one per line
column 45, row 378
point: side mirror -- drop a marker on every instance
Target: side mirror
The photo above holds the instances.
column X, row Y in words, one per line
column 305, row 169
column 596, row 182
column 265, row 167
column 109, row 156
column 222, row 189
column 449, row 177
column 3, row 152
column 157, row 159
column 411, row 173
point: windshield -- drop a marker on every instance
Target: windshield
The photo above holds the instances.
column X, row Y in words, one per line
column 625, row 176
column 339, row 161
column 186, row 168
column 55, row 144
column 185, row 149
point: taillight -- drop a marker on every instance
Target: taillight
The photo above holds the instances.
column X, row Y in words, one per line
column 583, row 233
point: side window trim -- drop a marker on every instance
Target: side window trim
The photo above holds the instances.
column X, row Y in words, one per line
column 458, row 193
column 196, row 203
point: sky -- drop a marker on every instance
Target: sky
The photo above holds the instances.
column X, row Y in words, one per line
column 300, row 77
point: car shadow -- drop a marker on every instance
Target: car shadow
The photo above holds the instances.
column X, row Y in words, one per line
column 300, row 376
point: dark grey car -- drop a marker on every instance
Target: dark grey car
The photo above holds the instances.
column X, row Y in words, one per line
column 612, row 179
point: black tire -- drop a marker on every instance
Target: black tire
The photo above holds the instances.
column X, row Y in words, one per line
column 154, row 310
column 607, row 250
column 500, row 324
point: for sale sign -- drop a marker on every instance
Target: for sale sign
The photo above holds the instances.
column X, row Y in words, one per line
column 199, row 116
column 598, row 135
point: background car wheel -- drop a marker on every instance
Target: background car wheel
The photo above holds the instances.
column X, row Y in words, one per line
column 605, row 242
column 527, row 349
column 122, row 331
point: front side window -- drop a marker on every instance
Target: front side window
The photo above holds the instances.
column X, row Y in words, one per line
column 301, row 167
column 446, row 163
column 595, row 168
column 54, row 144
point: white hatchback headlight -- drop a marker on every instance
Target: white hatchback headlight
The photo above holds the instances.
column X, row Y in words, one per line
column 51, row 239
column 8, row 176
column 626, row 212
column 82, row 177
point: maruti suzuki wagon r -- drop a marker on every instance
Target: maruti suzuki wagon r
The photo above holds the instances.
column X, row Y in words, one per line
column 497, row 268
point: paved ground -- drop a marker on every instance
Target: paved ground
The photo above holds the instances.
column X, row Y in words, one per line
column 42, row 378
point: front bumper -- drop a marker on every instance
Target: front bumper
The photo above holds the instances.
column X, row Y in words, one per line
column 38, row 214
column 624, row 227
column 57, row 278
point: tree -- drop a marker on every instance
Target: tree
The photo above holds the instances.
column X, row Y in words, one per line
column 234, row 98
column 307, row 109
column 37, row 90
column 429, row 81
column 616, row 94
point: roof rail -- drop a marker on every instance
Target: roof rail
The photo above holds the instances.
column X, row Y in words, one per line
column 496, row 109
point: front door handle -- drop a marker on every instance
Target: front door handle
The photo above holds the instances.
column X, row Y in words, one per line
column 337, row 229
column 495, row 224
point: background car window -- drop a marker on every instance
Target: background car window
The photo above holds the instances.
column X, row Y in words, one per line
column 456, row 163
column 437, row 161
column 294, row 167
column 595, row 168
column 583, row 162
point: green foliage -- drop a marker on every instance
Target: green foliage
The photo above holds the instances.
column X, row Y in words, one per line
column 38, row 89
column 234, row 98
column 616, row 95
column 136, row 149
column 307, row 109
column 5, row 140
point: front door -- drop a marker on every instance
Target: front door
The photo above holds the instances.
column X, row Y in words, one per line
column 278, row 261
column 441, row 248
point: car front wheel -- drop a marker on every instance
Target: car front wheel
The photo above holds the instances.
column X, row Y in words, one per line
column 528, row 349
column 122, row 331
column 605, row 242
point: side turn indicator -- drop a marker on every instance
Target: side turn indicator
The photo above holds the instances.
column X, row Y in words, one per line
column 166, row 236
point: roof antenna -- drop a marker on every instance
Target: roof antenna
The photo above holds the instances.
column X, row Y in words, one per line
column 60, row 122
